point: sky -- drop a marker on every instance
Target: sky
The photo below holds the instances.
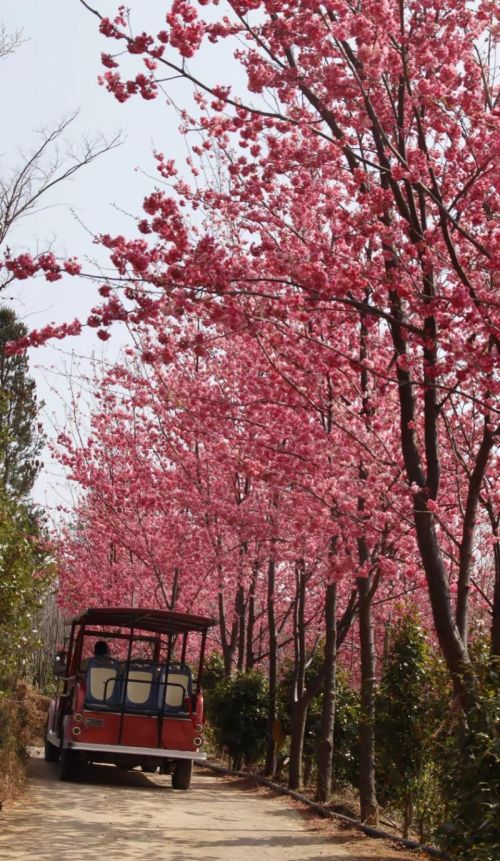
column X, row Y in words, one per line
column 50, row 76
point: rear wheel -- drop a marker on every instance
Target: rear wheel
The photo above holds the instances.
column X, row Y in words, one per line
column 67, row 764
column 51, row 753
column 181, row 775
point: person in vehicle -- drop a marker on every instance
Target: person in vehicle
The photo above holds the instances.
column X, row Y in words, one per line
column 101, row 649
column 101, row 652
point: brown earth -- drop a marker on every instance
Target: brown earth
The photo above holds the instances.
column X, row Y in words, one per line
column 132, row 816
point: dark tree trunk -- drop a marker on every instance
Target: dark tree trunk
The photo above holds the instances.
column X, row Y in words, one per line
column 468, row 531
column 301, row 705
column 495, row 604
column 308, row 764
column 495, row 621
column 367, row 792
column 250, row 660
column 228, row 644
column 325, row 746
column 273, row 669
column 451, row 643
column 240, row 610
column 300, row 699
column 298, row 726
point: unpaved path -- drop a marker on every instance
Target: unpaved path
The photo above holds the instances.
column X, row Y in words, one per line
column 111, row 814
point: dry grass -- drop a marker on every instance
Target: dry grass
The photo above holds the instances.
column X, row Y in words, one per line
column 22, row 720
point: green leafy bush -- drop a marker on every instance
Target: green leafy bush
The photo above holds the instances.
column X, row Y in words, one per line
column 345, row 764
column 472, row 776
column 213, row 673
column 413, row 697
column 237, row 711
column 25, row 575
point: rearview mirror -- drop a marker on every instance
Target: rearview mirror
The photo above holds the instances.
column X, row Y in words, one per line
column 60, row 663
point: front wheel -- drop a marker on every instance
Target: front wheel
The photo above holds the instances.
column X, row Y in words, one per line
column 181, row 775
column 67, row 764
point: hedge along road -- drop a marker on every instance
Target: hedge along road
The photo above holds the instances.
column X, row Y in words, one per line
column 132, row 816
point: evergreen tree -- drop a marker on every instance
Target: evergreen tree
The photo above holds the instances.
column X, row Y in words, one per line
column 20, row 437
column 407, row 717
column 25, row 575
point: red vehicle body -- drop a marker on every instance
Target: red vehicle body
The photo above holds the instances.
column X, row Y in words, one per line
column 132, row 711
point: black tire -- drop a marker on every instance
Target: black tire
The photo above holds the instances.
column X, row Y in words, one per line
column 181, row 775
column 67, row 764
column 51, row 753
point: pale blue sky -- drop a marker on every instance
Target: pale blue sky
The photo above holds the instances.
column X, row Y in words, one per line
column 51, row 75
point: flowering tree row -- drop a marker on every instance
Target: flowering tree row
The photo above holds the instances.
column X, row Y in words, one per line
column 245, row 483
column 318, row 319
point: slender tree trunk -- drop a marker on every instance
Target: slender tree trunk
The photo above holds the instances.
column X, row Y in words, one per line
column 452, row 646
column 241, row 614
column 495, row 608
column 300, row 699
column 228, row 644
column 408, row 814
column 468, row 532
column 250, row 659
column 367, row 792
column 299, row 716
column 308, row 764
column 325, row 746
column 495, row 620
column 273, row 668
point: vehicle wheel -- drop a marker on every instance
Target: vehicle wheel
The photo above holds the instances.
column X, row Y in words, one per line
column 67, row 764
column 181, row 775
column 51, row 753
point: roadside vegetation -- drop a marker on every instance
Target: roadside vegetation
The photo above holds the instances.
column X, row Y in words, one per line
column 26, row 566
column 426, row 788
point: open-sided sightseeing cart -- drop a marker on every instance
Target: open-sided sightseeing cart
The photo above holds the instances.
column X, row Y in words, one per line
column 140, row 703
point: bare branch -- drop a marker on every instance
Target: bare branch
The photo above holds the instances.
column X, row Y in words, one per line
column 50, row 163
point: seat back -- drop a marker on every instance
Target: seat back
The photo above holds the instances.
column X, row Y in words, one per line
column 102, row 685
column 141, row 692
column 175, row 687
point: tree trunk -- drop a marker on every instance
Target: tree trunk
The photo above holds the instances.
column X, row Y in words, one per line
column 240, row 610
column 308, row 764
column 250, row 659
column 299, row 717
column 495, row 609
column 300, row 699
column 367, row 792
column 228, row 644
column 450, row 641
column 325, row 746
column 273, row 669
column 495, row 621
column 409, row 814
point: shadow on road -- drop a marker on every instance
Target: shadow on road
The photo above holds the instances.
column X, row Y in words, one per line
column 130, row 816
column 98, row 775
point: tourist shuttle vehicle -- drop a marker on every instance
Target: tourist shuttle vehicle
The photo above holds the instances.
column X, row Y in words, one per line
column 131, row 692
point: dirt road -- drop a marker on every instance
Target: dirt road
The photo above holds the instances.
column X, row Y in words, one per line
column 131, row 816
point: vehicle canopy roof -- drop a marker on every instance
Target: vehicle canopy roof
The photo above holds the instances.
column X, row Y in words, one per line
column 139, row 618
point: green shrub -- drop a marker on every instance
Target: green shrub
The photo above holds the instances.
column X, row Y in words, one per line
column 472, row 777
column 237, row 711
column 412, row 698
column 345, row 764
column 213, row 673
